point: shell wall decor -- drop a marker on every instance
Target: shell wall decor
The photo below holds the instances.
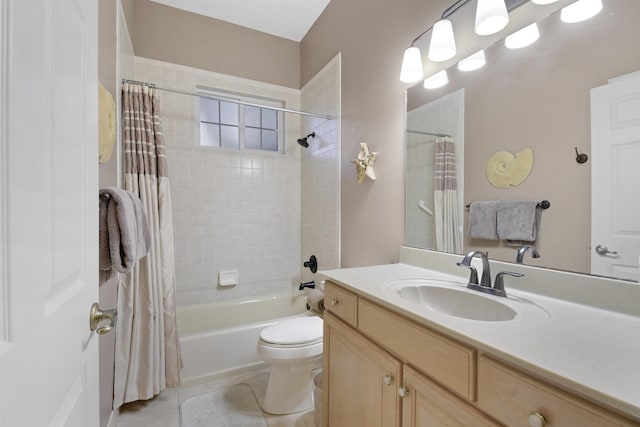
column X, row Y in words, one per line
column 107, row 124
column 505, row 170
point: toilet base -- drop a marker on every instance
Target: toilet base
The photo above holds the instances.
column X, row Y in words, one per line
column 290, row 389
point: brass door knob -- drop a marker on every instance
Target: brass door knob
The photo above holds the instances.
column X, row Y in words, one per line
column 96, row 316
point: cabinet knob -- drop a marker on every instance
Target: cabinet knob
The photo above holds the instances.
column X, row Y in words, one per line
column 334, row 302
column 388, row 379
column 536, row 420
column 403, row 392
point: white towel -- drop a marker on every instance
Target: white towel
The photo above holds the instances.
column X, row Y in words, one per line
column 124, row 232
column 483, row 220
column 518, row 220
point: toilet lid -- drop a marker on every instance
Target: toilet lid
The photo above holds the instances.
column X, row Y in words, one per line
column 299, row 330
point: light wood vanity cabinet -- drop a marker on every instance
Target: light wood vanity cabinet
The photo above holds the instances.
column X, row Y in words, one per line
column 511, row 396
column 428, row 404
column 446, row 361
column 372, row 356
column 362, row 379
column 341, row 302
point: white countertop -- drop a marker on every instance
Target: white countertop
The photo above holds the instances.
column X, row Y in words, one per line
column 591, row 351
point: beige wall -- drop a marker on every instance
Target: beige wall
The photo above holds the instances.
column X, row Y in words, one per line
column 172, row 35
column 107, row 45
column 107, row 74
column 538, row 97
column 127, row 10
column 372, row 36
column 541, row 100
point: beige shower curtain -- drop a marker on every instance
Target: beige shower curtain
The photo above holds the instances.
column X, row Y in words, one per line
column 445, row 193
column 147, row 358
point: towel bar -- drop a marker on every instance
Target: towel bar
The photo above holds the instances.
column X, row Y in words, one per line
column 545, row 204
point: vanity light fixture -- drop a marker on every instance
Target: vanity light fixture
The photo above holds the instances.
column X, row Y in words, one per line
column 411, row 70
column 523, row 37
column 491, row 17
column 437, row 80
column 473, row 62
column 580, row 11
column 443, row 43
column 441, row 48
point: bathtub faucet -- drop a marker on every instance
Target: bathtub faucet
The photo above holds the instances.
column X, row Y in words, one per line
column 310, row 285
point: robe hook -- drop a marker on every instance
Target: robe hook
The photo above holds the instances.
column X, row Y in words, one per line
column 581, row 157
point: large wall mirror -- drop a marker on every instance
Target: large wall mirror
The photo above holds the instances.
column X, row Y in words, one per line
column 537, row 97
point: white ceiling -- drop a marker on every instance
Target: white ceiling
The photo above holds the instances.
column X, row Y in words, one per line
column 290, row 19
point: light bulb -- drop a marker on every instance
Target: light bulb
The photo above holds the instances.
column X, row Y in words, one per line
column 437, row 80
column 472, row 62
column 580, row 11
column 411, row 70
column 523, row 37
column 491, row 17
column 443, row 43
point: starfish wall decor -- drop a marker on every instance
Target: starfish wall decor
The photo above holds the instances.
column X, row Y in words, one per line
column 364, row 163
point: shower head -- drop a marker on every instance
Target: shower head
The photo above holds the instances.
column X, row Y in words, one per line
column 303, row 141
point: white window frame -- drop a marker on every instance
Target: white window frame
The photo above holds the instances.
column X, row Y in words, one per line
column 237, row 97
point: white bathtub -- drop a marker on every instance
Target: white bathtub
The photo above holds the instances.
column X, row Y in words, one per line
column 219, row 339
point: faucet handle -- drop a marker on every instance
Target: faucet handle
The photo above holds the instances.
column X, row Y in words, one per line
column 474, row 273
column 499, row 282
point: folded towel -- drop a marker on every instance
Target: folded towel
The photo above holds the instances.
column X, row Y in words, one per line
column 315, row 300
column 483, row 220
column 124, row 233
column 519, row 220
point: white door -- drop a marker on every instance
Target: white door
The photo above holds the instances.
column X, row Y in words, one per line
column 48, row 221
column 615, row 174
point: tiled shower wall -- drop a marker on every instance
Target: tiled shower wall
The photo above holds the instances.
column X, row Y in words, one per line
column 443, row 115
column 233, row 210
column 321, row 170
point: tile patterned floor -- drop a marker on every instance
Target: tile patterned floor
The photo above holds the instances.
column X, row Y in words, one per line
column 164, row 409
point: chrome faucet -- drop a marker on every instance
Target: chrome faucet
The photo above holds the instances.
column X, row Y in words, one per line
column 486, row 273
column 523, row 250
column 485, row 282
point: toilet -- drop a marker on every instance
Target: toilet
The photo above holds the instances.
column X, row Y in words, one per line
column 293, row 348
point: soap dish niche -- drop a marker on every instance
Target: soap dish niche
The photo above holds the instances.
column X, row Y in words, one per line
column 228, row 278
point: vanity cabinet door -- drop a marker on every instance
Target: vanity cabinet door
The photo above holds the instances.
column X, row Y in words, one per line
column 426, row 404
column 361, row 380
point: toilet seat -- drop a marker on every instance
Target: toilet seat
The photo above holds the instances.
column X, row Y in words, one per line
column 296, row 332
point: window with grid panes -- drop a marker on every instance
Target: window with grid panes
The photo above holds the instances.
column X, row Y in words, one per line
column 225, row 123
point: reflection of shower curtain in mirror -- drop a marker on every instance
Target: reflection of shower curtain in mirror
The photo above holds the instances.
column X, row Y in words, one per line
column 445, row 195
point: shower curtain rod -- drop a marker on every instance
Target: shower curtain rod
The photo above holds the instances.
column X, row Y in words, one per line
column 428, row 133
column 202, row 95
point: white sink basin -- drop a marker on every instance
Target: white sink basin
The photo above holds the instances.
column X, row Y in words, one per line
column 454, row 299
